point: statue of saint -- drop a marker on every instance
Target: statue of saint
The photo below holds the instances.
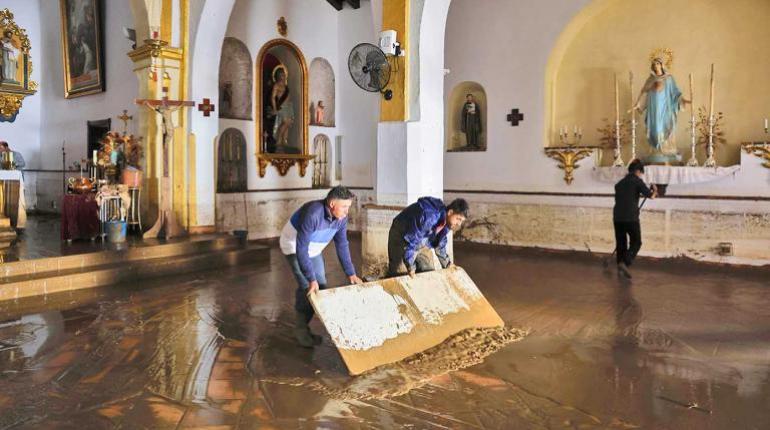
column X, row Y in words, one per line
column 660, row 99
column 319, row 113
column 282, row 108
column 470, row 122
column 9, row 58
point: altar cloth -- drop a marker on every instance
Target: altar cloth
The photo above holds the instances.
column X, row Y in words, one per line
column 671, row 175
column 15, row 210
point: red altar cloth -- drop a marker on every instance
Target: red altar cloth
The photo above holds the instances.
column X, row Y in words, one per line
column 79, row 216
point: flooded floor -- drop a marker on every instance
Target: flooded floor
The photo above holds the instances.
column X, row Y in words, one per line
column 682, row 347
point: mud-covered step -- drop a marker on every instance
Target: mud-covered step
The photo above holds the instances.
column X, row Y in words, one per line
column 42, row 284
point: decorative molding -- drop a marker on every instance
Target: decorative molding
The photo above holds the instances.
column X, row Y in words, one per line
column 568, row 157
column 12, row 92
column 10, row 104
column 758, row 149
column 155, row 48
column 282, row 26
column 283, row 163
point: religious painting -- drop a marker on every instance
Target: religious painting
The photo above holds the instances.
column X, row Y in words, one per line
column 467, row 118
column 82, row 48
column 283, row 95
column 235, row 80
column 15, row 67
column 321, row 107
column 231, row 162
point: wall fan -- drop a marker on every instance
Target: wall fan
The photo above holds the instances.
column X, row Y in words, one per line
column 370, row 69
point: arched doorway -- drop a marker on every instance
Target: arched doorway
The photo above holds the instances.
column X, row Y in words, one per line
column 231, row 162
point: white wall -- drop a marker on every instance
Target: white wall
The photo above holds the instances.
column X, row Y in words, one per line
column 23, row 134
column 512, row 70
column 319, row 31
column 65, row 119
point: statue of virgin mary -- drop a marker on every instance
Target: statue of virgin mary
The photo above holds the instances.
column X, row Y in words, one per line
column 660, row 100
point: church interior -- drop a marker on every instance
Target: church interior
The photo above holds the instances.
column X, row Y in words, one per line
column 172, row 171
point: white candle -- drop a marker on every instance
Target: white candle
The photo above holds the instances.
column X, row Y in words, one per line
column 94, row 157
column 617, row 100
column 765, row 124
column 711, row 94
column 692, row 99
column 631, row 90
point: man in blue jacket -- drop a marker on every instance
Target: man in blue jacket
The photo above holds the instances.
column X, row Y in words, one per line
column 423, row 224
column 303, row 240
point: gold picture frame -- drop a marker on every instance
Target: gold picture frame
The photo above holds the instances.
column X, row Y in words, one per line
column 82, row 47
column 15, row 67
column 282, row 161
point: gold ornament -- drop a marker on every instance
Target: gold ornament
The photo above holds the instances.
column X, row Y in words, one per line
column 665, row 55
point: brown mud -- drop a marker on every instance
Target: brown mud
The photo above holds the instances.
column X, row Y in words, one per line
column 679, row 347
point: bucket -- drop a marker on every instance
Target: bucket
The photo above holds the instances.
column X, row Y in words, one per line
column 242, row 235
column 115, row 231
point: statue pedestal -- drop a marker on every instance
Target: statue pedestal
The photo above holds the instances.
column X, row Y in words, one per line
column 659, row 158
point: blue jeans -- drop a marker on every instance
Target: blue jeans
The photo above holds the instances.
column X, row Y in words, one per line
column 301, row 303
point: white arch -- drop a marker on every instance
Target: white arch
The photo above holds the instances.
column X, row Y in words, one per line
column 206, row 47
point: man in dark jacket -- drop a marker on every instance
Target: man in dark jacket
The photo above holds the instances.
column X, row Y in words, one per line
column 424, row 224
column 303, row 240
column 625, row 215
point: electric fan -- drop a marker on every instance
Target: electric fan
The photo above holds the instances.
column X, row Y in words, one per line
column 370, row 69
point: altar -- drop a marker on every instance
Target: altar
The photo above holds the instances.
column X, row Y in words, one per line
column 12, row 202
column 667, row 175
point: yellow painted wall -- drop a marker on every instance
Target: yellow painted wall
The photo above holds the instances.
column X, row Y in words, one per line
column 395, row 16
column 617, row 36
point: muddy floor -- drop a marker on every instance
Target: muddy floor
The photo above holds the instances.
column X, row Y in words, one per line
column 682, row 347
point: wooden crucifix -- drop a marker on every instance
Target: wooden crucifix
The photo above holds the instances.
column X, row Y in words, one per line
column 167, row 225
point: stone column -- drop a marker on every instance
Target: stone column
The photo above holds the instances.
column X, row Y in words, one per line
column 151, row 60
column 410, row 136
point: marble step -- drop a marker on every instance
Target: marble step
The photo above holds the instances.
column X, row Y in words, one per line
column 135, row 252
column 131, row 271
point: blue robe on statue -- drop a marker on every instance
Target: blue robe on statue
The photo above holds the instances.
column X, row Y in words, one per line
column 663, row 98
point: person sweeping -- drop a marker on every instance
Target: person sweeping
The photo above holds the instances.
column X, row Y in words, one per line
column 625, row 215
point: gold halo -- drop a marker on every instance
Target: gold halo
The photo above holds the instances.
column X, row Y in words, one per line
column 666, row 54
column 275, row 70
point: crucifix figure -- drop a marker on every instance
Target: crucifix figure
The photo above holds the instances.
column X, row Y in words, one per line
column 167, row 225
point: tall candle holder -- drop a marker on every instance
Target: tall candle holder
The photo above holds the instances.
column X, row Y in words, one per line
column 710, row 161
column 692, row 162
column 618, row 162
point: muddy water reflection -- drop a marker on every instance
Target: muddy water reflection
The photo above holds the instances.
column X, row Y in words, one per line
column 678, row 348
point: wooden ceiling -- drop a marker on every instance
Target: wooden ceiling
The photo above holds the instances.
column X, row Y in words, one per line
column 337, row 4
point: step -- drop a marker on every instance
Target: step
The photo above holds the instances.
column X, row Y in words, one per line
column 41, row 284
column 135, row 252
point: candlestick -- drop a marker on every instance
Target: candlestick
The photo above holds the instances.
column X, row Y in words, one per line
column 710, row 161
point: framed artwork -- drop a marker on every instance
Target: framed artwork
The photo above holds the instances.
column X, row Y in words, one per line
column 82, row 47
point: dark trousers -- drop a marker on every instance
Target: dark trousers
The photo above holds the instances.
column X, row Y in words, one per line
column 397, row 248
column 301, row 303
column 625, row 230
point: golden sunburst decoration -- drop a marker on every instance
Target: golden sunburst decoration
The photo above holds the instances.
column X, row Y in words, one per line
column 664, row 54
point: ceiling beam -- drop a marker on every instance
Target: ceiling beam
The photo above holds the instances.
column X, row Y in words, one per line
column 337, row 4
